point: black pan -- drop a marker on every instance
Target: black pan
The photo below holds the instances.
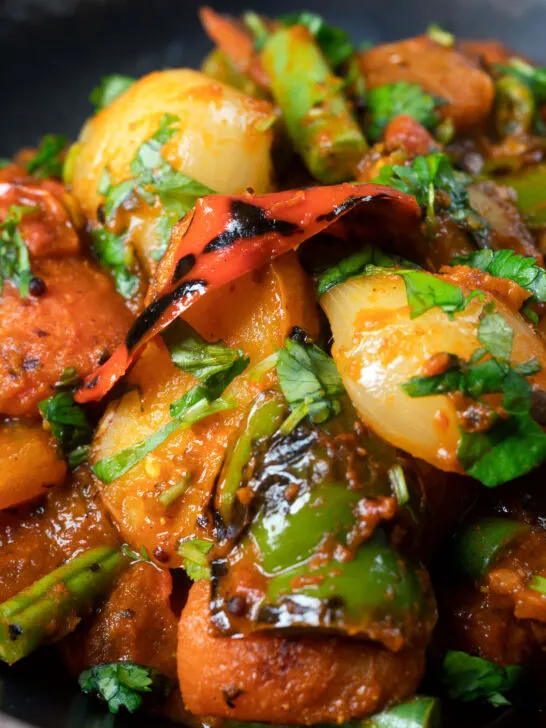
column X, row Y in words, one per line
column 52, row 52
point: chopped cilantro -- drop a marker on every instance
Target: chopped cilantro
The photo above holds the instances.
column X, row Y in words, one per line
column 424, row 178
column 113, row 253
column 393, row 99
column 524, row 271
column 469, row 678
column 136, row 557
column 154, row 178
column 14, row 257
column 122, row 684
column 514, row 444
column 47, row 161
column 334, row 42
column 109, row 88
column 355, row 266
column 194, row 552
column 203, row 400
column 69, row 425
column 310, row 382
column 426, row 291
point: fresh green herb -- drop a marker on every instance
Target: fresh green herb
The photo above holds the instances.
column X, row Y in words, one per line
column 109, row 88
column 514, row 444
column 399, row 484
column 310, row 382
column 194, row 552
column 211, row 363
column 136, row 557
column 154, row 178
column 538, row 583
column 436, row 33
column 393, row 99
column 263, row 367
column 426, row 291
column 507, row 264
column 47, row 161
column 334, row 42
column 113, row 252
column 469, row 678
column 202, row 400
column 69, row 424
column 428, row 176
column 355, row 266
column 174, row 492
column 14, row 258
column 122, row 684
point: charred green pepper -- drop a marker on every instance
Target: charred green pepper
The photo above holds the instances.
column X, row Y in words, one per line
column 316, row 552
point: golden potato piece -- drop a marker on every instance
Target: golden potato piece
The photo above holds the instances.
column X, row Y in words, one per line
column 29, row 463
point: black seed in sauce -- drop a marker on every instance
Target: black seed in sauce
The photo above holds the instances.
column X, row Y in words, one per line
column 37, row 287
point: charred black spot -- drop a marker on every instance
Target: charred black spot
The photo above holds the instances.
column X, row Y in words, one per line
column 40, row 333
column 202, row 520
column 236, row 606
column 151, row 315
column 93, row 383
column 230, row 695
column 297, row 334
column 127, row 613
column 349, row 203
column 101, row 217
column 248, row 221
column 183, row 267
column 94, row 567
column 14, row 631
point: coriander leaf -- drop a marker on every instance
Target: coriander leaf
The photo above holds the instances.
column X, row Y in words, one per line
column 47, row 161
column 310, row 382
column 194, row 552
column 113, row 253
column 355, row 266
column 495, row 335
column 136, row 557
column 510, row 448
column 393, row 99
column 507, row 264
column 14, row 257
column 122, row 684
column 423, row 178
column 425, row 291
column 117, row 195
column 109, row 88
column 196, row 356
column 334, row 42
column 469, row 678
column 68, row 423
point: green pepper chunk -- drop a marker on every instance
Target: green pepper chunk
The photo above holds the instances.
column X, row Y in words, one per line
column 316, row 113
column 479, row 545
column 47, row 608
column 530, row 186
column 316, row 553
column 514, row 106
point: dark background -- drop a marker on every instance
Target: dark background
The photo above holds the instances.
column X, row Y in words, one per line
column 52, row 53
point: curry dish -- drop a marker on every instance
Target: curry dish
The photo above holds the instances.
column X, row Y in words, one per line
column 273, row 383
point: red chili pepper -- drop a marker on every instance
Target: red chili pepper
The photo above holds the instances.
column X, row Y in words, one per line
column 227, row 236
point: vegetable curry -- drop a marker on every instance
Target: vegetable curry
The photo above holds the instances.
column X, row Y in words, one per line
column 273, row 384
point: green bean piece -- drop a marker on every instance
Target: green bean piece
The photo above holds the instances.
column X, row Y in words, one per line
column 315, row 110
column 218, row 66
column 514, row 107
column 479, row 545
column 42, row 610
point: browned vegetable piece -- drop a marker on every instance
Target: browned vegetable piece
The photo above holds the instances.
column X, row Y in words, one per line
column 135, row 624
column 442, row 71
column 29, row 463
column 291, row 681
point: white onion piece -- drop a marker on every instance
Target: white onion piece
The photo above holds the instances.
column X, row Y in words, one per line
column 378, row 347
